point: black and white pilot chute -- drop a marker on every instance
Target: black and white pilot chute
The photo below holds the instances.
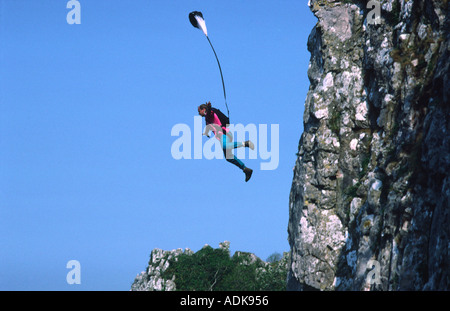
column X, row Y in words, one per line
column 197, row 20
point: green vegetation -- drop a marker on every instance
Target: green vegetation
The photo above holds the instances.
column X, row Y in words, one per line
column 335, row 121
column 214, row 270
column 364, row 165
column 275, row 257
column 352, row 191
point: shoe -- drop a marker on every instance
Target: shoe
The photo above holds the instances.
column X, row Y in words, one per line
column 248, row 173
column 249, row 144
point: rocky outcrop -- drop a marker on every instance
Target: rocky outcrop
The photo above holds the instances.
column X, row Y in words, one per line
column 369, row 203
column 152, row 278
column 242, row 271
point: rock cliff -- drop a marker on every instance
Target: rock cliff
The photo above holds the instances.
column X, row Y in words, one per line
column 211, row 269
column 369, row 203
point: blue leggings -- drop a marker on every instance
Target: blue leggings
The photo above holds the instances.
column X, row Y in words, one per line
column 227, row 146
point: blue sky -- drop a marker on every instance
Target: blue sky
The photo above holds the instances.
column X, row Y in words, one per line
column 86, row 113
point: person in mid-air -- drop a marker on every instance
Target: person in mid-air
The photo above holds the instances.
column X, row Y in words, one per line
column 217, row 122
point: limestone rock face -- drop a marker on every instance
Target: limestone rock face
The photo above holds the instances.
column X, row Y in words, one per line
column 152, row 279
column 369, row 202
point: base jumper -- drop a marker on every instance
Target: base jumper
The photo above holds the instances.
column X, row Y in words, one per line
column 217, row 122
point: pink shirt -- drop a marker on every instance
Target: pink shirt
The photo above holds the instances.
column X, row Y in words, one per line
column 212, row 119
